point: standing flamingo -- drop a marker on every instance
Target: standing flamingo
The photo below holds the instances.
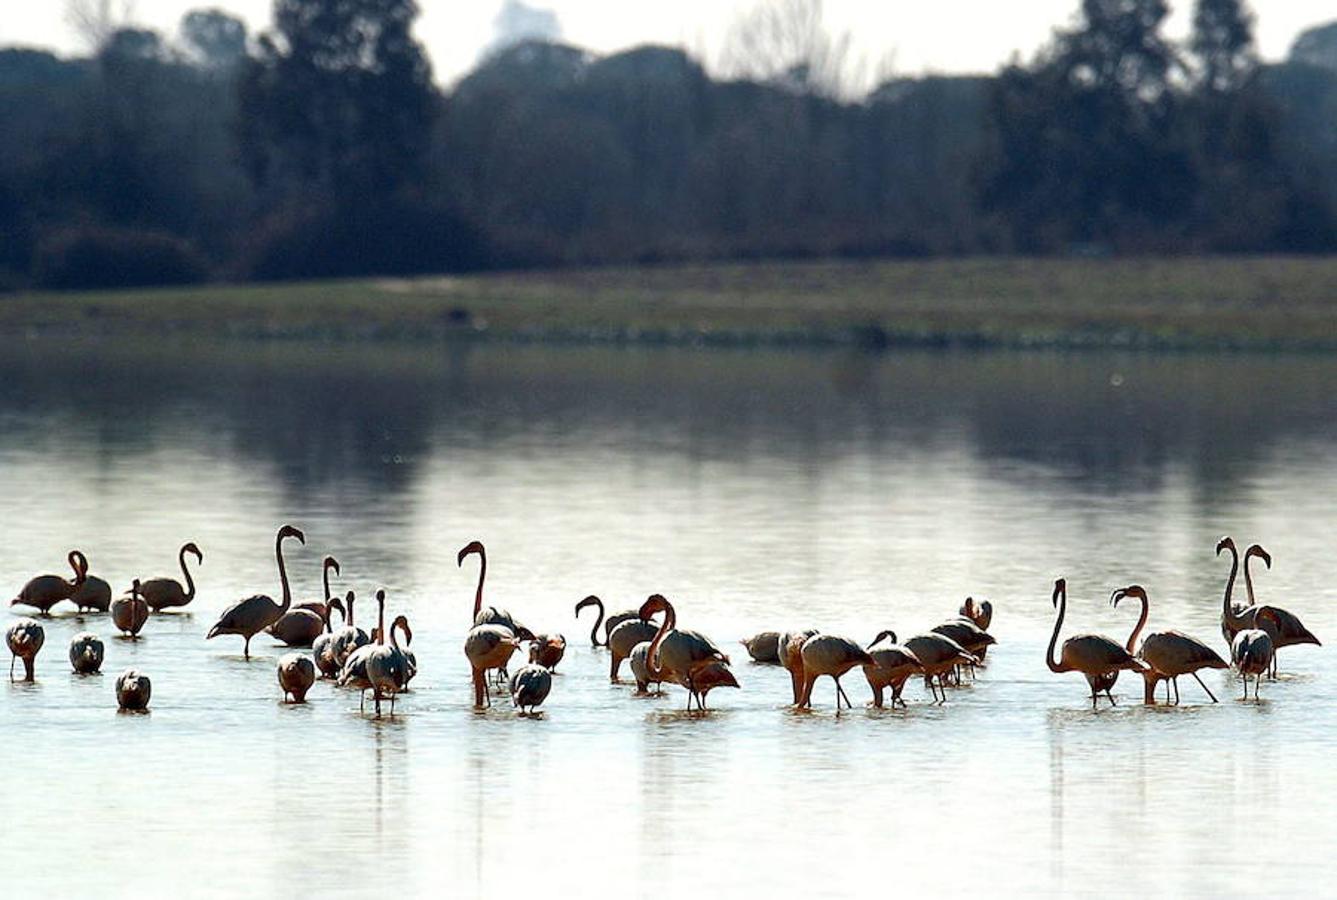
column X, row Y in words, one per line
column 675, row 655
column 613, row 621
column 86, row 652
column 94, row 594
column 130, row 613
column 24, row 638
column 322, row 648
column 45, row 591
column 530, row 686
column 165, row 593
column 487, row 646
column 1253, row 649
column 252, row 615
column 892, row 666
column 1091, row 654
column 1168, row 653
column 491, row 615
column 296, row 674
column 624, row 638
column 387, row 664
column 639, row 661
column 829, row 654
column 939, row 655
column 350, row 637
column 1290, row 630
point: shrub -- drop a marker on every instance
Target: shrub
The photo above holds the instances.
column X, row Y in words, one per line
column 99, row 257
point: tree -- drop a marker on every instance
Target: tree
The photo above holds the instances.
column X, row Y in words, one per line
column 213, row 38
column 1317, row 47
column 1222, row 41
column 786, row 43
column 338, row 99
column 95, row 21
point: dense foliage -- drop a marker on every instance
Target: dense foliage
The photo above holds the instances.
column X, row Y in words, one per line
column 323, row 148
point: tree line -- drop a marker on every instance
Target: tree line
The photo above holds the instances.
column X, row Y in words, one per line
column 322, row 148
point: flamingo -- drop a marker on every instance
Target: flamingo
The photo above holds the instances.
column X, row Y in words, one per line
column 323, row 609
column 612, row 622
column 892, row 666
column 624, row 638
column 979, row 613
column 130, row 613
column 165, row 593
column 299, row 627
column 763, row 647
column 710, row 676
column 547, row 650
column 491, row 615
column 530, row 686
column 252, row 615
column 487, row 646
column 86, row 652
column 965, row 632
column 1091, row 654
column 938, row 654
column 322, row 648
column 789, row 651
column 387, row 664
column 1168, row 653
column 678, row 656
column 133, row 690
column 296, row 674
column 1290, row 630
column 829, row 654
column 1253, row 649
column 350, row 637
column 639, row 661
column 24, row 638
column 45, row 591
column 94, row 594
column 402, row 623
column 354, row 672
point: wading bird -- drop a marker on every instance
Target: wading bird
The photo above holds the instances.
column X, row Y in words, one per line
column 350, row 637
column 892, row 666
column 491, row 615
column 94, row 595
column 299, row 627
column 530, row 686
column 939, row 655
column 763, row 647
column 252, row 615
column 613, row 621
column 974, row 639
column 133, row 690
column 130, row 613
column 166, row 593
column 829, row 654
column 1093, row 655
column 45, row 591
column 979, row 613
column 322, row 648
column 86, row 652
column 678, row 656
column 547, row 650
column 1253, row 649
column 296, row 674
column 387, row 664
column 624, row 638
column 639, row 661
column 24, row 638
column 1290, row 630
column 789, row 651
column 1168, row 653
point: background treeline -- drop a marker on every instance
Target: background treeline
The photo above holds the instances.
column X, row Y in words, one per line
column 323, row 148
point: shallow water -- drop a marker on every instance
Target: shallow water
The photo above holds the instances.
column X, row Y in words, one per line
column 756, row 490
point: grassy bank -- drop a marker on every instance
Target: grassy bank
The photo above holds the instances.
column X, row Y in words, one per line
column 1272, row 302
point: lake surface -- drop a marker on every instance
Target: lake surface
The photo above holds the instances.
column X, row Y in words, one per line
column 756, row 490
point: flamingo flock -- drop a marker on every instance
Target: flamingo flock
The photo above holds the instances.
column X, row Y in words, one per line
column 648, row 637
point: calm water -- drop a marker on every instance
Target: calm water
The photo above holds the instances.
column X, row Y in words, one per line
column 756, row 490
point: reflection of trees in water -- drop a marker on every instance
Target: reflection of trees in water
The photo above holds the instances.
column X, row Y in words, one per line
column 374, row 412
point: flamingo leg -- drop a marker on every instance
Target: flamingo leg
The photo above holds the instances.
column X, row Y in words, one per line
column 1204, row 687
column 11, row 667
column 1176, row 683
column 942, row 689
column 877, row 697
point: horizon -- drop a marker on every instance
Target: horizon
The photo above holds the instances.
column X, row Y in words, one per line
column 931, row 40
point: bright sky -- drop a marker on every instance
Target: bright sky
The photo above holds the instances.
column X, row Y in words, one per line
column 916, row 35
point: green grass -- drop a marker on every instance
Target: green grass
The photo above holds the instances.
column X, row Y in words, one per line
column 1265, row 302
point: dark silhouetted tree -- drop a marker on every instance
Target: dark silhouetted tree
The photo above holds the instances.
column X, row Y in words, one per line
column 1222, row 43
column 213, row 38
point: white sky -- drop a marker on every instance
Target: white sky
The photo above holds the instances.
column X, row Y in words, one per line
column 917, row 35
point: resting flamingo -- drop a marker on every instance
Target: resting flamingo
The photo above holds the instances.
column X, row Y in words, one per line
column 613, row 621
column 1168, row 653
column 252, row 615
column 167, row 593
column 1290, row 630
column 678, row 655
column 892, row 666
column 45, row 591
column 830, row 654
column 1091, row 654
column 130, row 613
column 24, row 639
column 1253, row 649
column 94, row 594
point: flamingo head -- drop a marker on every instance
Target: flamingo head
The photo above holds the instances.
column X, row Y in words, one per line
column 192, row 549
column 338, row 604
column 1258, row 551
column 1060, row 588
column 523, row 634
column 1226, row 543
column 79, row 562
column 292, row 531
column 471, row 547
column 591, row 600
column 134, row 589
column 403, row 622
column 332, row 563
column 888, row 634
column 1133, row 590
column 656, row 603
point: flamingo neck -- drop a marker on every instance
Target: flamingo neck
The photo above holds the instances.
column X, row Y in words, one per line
column 325, row 580
column 1141, row 623
column 380, row 619
column 1248, row 579
column 1053, row 639
column 594, row 632
column 482, row 575
column 283, row 575
column 190, row 582
column 652, row 655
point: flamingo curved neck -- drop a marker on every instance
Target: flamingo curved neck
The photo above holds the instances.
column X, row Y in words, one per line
column 348, row 616
column 1058, row 623
column 325, row 579
column 482, row 575
column 283, row 574
column 1141, row 623
column 190, row 582
column 380, row 619
column 1248, row 579
column 594, row 632
column 652, row 655
column 1226, row 605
